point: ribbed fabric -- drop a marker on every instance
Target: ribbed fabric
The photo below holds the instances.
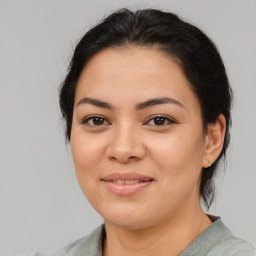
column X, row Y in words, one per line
column 87, row 246
column 217, row 240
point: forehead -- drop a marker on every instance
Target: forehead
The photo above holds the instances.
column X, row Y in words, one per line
column 136, row 72
column 134, row 60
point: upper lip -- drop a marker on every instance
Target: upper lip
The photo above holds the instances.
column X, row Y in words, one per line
column 126, row 176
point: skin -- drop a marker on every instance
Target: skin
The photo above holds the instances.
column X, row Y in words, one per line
column 168, row 211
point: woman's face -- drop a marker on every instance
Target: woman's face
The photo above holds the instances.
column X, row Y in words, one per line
column 137, row 139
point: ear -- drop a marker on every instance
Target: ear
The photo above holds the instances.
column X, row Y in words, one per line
column 214, row 141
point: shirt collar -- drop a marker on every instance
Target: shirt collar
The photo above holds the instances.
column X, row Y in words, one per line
column 211, row 236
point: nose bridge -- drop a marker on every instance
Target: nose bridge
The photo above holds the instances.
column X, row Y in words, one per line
column 125, row 143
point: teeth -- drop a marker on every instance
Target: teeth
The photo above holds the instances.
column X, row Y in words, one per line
column 126, row 182
column 131, row 181
column 121, row 182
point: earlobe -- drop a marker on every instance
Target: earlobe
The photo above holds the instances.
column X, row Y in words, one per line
column 214, row 140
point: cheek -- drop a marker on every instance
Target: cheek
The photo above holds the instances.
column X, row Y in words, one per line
column 177, row 150
column 87, row 154
column 179, row 163
column 179, row 159
column 86, row 150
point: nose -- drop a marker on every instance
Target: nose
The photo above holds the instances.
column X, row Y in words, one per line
column 125, row 145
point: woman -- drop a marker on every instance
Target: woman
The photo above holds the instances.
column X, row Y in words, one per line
column 147, row 109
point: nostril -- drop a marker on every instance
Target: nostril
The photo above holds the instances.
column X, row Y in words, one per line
column 125, row 150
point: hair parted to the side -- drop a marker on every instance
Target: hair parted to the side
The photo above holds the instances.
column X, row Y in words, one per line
column 196, row 53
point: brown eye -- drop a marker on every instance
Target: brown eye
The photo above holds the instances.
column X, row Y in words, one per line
column 95, row 121
column 160, row 120
column 98, row 120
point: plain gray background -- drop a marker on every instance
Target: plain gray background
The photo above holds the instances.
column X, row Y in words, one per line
column 41, row 205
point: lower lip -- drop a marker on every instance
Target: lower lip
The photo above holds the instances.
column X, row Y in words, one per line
column 126, row 190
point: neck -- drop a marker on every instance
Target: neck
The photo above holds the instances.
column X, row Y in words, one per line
column 170, row 237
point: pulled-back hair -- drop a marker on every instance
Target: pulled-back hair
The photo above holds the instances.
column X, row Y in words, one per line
column 188, row 45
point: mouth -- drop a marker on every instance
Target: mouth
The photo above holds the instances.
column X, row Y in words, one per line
column 126, row 184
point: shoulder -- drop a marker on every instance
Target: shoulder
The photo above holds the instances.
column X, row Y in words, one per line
column 223, row 243
column 87, row 246
column 218, row 240
column 69, row 250
column 72, row 248
column 233, row 246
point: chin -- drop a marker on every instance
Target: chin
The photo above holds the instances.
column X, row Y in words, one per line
column 127, row 223
column 125, row 217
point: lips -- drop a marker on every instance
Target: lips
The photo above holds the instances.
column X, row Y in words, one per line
column 126, row 184
column 126, row 176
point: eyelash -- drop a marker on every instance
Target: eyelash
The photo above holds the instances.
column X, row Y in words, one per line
column 93, row 118
column 164, row 118
column 161, row 117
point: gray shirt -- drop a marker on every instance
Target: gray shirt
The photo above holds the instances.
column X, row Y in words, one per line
column 216, row 240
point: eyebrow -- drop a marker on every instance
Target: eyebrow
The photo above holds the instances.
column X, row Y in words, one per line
column 95, row 102
column 140, row 106
column 157, row 101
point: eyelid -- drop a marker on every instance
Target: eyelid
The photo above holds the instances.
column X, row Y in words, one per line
column 90, row 117
column 171, row 120
column 86, row 119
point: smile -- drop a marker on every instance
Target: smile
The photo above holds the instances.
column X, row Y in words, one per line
column 126, row 184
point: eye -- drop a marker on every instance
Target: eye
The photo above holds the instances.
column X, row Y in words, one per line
column 95, row 121
column 160, row 121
